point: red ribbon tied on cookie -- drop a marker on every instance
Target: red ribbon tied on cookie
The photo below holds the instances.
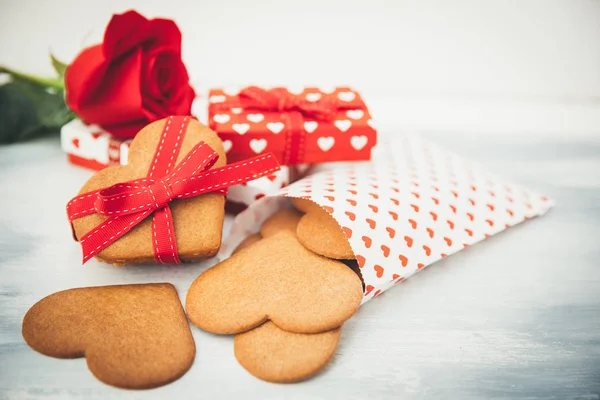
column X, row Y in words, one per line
column 294, row 110
column 127, row 204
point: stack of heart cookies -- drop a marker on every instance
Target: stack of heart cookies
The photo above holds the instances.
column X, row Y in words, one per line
column 284, row 293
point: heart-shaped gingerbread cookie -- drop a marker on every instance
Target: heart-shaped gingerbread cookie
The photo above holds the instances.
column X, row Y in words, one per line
column 133, row 336
column 286, row 219
column 318, row 231
column 197, row 221
column 275, row 355
column 274, row 279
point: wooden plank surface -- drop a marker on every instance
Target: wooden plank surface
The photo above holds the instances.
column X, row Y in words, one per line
column 514, row 317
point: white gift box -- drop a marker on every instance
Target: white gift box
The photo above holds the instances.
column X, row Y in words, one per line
column 92, row 147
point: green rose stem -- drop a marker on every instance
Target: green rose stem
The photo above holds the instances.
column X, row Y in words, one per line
column 31, row 105
column 55, row 83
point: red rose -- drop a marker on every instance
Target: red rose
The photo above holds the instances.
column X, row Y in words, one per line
column 134, row 77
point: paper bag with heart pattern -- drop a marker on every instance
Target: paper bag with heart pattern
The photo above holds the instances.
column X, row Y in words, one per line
column 409, row 207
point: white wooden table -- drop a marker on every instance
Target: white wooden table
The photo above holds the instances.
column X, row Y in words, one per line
column 517, row 316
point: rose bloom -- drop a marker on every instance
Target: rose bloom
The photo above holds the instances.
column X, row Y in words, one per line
column 134, row 77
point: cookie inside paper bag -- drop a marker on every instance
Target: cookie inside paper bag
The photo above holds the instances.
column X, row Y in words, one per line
column 413, row 205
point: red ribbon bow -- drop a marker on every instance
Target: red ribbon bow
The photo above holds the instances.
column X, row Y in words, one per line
column 281, row 100
column 127, row 204
column 294, row 109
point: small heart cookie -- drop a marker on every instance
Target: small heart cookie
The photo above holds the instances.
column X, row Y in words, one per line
column 286, row 219
column 132, row 336
column 197, row 221
column 318, row 231
column 274, row 355
column 279, row 280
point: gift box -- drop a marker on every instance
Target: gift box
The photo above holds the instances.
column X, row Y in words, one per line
column 413, row 205
column 92, row 147
column 300, row 126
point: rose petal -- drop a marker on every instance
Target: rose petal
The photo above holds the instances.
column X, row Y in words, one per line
column 83, row 76
column 182, row 99
column 185, row 105
column 181, row 103
column 121, row 38
column 119, row 98
column 166, row 90
column 149, row 83
column 157, row 76
column 122, row 32
column 162, row 33
column 166, row 74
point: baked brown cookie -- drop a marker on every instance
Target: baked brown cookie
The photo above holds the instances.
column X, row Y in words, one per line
column 286, row 219
column 280, row 280
column 275, row 355
column 197, row 221
column 132, row 336
column 247, row 242
column 319, row 232
column 305, row 205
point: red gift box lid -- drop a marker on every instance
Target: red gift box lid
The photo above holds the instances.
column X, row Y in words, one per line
column 248, row 128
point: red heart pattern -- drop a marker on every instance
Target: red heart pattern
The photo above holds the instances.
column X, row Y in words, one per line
column 403, row 260
column 386, row 250
column 361, row 260
column 414, row 205
column 347, row 232
column 427, row 250
column 367, row 240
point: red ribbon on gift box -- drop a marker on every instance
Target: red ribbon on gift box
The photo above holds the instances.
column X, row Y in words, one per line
column 127, row 204
column 294, row 110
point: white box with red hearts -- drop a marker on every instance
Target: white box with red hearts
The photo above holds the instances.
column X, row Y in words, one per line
column 91, row 146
